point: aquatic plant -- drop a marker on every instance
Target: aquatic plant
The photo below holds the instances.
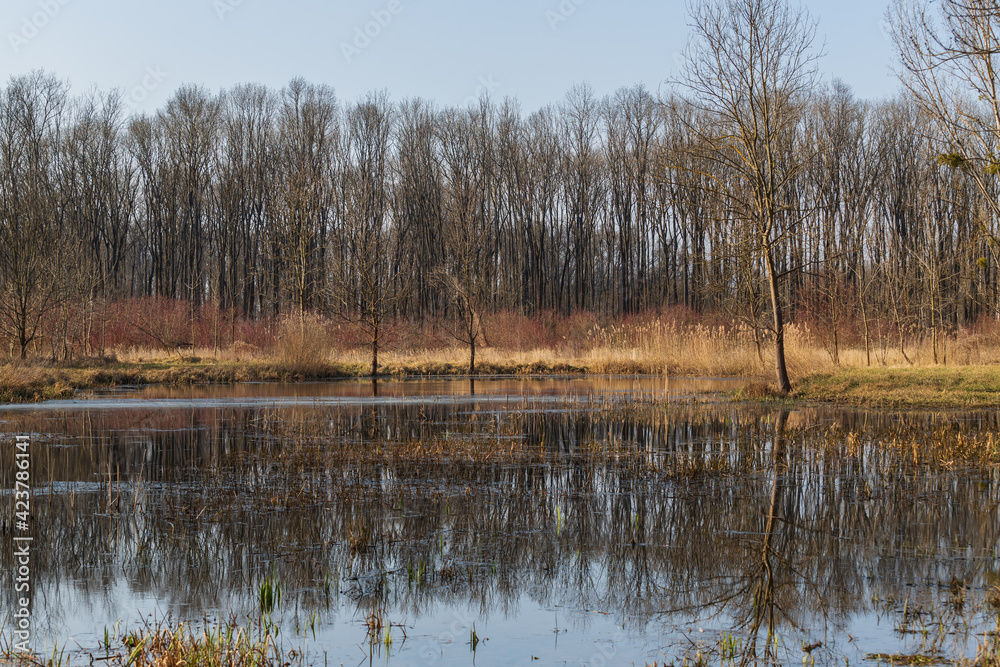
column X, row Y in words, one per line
column 227, row 644
column 270, row 594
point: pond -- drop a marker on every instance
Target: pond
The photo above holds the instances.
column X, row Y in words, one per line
column 595, row 521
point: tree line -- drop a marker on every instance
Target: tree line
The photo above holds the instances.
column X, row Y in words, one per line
column 280, row 202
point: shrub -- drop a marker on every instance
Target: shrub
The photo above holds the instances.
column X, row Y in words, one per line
column 304, row 342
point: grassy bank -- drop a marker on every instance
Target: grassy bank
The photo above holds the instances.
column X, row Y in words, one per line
column 934, row 387
column 698, row 351
column 250, row 643
column 695, row 351
column 22, row 383
column 26, row 383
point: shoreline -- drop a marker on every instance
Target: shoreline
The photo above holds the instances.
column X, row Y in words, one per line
column 904, row 388
column 32, row 383
column 899, row 388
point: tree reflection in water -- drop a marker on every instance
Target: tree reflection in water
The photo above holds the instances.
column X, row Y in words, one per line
column 774, row 523
column 764, row 605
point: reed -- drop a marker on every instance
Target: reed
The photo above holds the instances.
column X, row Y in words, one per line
column 227, row 644
column 958, row 371
column 252, row 643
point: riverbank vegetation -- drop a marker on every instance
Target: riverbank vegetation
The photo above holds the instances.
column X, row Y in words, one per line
column 413, row 508
column 243, row 219
column 910, row 387
column 674, row 342
column 250, row 642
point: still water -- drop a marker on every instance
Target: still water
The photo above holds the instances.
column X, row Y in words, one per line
column 596, row 521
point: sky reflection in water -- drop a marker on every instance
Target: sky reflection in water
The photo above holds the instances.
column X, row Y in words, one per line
column 560, row 519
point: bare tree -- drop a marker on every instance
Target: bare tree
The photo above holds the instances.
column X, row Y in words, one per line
column 948, row 53
column 308, row 136
column 99, row 185
column 417, row 206
column 364, row 289
column 469, row 233
column 839, row 183
column 31, row 115
column 751, row 65
column 245, row 198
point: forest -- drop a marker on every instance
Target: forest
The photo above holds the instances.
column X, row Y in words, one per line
column 262, row 204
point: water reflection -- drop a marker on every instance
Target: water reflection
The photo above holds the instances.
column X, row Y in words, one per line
column 773, row 528
column 342, row 393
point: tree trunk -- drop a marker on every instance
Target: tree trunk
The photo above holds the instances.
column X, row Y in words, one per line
column 868, row 345
column 757, row 341
column 899, row 330
column 836, row 345
column 779, row 326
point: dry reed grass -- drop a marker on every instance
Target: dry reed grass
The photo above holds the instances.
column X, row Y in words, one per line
column 23, row 383
column 647, row 348
column 654, row 347
column 987, row 651
column 224, row 644
column 311, row 348
column 303, row 342
column 252, row 643
column 950, row 450
column 228, row 645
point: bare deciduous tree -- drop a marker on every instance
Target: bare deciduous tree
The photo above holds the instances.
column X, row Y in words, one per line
column 308, row 137
column 751, row 65
column 31, row 115
column 948, row 52
column 364, row 289
column 470, row 268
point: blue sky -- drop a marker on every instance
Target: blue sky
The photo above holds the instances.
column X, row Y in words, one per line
column 444, row 50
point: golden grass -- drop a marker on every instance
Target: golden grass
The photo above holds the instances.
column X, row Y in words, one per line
column 251, row 643
column 22, row 383
column 223, row 646
column 654, row 348
column 304, row 351
column 908, row 659
column 650, row 349
column 900, row 387
column 302, row 341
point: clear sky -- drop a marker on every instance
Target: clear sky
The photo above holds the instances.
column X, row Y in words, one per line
column 447, row 51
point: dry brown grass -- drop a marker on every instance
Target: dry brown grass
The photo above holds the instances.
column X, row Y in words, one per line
column 230, row 645
column 756, row 390
column 303, row 342
column 649, row 347
column 24, row 383
column 699, row 350
column 251, row 643
column 987, row 652
column 941, row 448
column 312, row 349
column 652, row 347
